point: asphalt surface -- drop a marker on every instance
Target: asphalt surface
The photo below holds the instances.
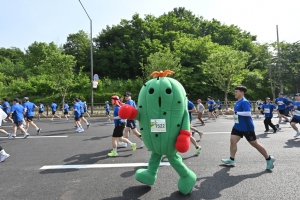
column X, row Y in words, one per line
column 22, row 178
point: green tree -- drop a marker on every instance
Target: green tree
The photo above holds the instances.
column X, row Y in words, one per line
column 78, row 45
column 226, row 69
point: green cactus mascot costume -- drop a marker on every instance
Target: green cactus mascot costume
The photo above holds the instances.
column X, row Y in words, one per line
column 164, row 123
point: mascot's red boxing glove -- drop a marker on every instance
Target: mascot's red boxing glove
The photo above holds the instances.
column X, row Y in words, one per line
column 127, row 112
column 183, row 141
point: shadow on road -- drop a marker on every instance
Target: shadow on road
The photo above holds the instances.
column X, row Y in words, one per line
column 212, row 186
column 292, row 143
column 96, row 138
column 134, row 192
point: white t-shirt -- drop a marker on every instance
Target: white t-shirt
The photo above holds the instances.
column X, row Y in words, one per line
column 200, row 108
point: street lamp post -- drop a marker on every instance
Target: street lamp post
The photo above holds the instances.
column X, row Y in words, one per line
column 91, row 43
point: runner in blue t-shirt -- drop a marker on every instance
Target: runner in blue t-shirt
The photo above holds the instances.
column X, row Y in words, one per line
column 54, row 108
column 119, row 127
column 82, row 112
column 66, row 110
column 219, row 105
column 131, row 124
column 29, row 110
column 244, row 127
column 282, row 103
column 107, row 110
column 210, row 104
column 6, row 109
column 77, row 114
column 268, row 109
column 290, row 106
column 296, row 117
column 17, row 112
column 41, row 110
column 85, row 109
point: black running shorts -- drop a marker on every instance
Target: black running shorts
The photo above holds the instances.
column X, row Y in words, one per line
column 250, row 136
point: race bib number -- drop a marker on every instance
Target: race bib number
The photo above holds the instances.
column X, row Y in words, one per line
column 280, row 102
column 266, row 110
column 158, row 125
column 236, row 119
column 297, row 112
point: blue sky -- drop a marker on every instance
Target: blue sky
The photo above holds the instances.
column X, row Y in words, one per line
column 23, row 22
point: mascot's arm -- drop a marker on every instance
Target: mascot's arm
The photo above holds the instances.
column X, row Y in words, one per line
column 127, row 112
column 183, row 140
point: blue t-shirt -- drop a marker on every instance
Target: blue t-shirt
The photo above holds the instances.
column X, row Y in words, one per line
column 17, row 111
column 53, row 107
column 41, row 108
column 6, row 107
column 29, row 107
column 290, row 107
column 66, row 107
column 77, row 111
column 210, row 104
column 219, row 103
column 84, row 106
column 131, row 102
column 281, row 102
column 116, row 114
column 190, row 106
column 297, row 111
column 245, row 122
column 268, row 109
column 81, row 106
column 107, row 107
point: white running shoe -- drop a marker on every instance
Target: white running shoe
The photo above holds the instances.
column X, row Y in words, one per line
column 122, row 144
column 3, row 155
column 142, row 144
column 297, row 135
column 26, row 135
column 80, row 130
column 9, row 135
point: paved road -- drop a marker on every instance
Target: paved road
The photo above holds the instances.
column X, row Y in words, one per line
column 21, row 176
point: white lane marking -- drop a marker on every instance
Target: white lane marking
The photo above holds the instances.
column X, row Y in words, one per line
column 213, row 132
column 64, row 136
column 6, row 126
column 89, row 166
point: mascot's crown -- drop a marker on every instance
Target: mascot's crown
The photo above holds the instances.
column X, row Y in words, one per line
column 161, row 73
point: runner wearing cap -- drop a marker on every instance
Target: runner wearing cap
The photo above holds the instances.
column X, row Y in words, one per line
column 281, row 102
column 131, row 124
column 119, row 127
column 267, row 109
column 296, row 117
column 77, row 114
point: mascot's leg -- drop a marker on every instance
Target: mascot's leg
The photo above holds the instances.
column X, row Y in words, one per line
column 148, row 176
column 187, row 178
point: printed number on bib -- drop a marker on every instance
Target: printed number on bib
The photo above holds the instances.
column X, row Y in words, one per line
column 266, row 110
column 236, row 119
column 158, row 125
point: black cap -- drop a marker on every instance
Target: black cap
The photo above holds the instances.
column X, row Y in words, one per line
column 26, row 98
column 280, row 93
column 17, row 100
column 128, row 94
column 76, row 99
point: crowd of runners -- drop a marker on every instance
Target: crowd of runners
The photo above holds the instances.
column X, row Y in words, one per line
column 21, row 113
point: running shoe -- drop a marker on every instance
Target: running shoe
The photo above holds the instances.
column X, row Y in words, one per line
column 25, row 135
column 266, row 131
column 9, row 135
column 142, row 144
column 297, row 135
column 270, row 163
column 198, row 150
column 112, row 153
column 4, row 155
column 38, row 131
column 228, row 161
column 122, row 144
column 80, row 130
column 13, row 136
column 133, row 146
column 88, row 125
column 200, row 133
column 277, row 126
